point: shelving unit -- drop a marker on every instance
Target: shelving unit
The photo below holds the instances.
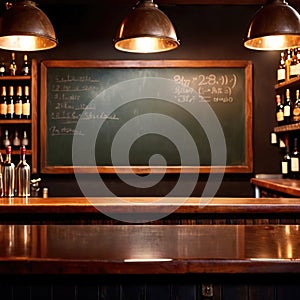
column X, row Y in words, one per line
column 31, row 124
column 279, row 187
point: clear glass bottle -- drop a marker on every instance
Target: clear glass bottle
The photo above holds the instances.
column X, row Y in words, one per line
column 25, row 140
column 16, row 143
column 13, row 65
column 6, row 140
column 22, row 183
column 8, row 175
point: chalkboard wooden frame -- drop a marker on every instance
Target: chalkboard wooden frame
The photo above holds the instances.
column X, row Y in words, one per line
column 245, row 167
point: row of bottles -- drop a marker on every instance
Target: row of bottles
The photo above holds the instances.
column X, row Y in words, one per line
column 290, row 163
column 15, row 141
column 15, row 180
column 289, row 64
column 287, row 108
column 12, row 69
column 15, row 104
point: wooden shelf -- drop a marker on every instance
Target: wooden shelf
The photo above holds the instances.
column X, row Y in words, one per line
column 31, row 124
column 289, row 83
column 15, row 121
column 12, row 78
column 287, row 128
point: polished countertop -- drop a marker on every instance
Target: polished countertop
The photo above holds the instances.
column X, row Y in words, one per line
column 149, row 249
column 286, row 186
column 191, row 205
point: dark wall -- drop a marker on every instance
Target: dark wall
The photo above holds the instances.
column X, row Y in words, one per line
column 206, row 32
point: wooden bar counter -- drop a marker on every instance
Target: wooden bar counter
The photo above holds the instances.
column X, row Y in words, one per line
column 148, row 262
column 149, row 249
column 165, row 211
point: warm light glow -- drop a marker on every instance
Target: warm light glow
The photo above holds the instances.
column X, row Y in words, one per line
column 25, row 43
column 146, row 45
column 273, row 42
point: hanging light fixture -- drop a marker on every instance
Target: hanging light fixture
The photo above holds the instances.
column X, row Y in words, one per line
column 275, row 26
column 146, row 29
column 24, row 27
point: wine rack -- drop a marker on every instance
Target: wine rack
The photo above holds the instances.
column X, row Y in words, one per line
column 29, row 125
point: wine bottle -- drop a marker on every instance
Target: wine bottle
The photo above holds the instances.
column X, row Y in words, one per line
column 286, row 162
column 279, row 111
column 26, row 103
column 13, row 65
column 6, row 140
column 295, row 160
column 287, row 107
column 296, row 108
column 22, row 183
column 288, row 64
column 16, row 143
column 8, row 175
column 25, row 69
column 294, row 62
column 2, row 69
column 3, row 103
column 25, row 141
column 10, row 103
column 18, row 104
column 281, row 67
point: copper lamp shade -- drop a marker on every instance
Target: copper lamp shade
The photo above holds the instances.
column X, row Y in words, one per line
column 24, row 27
column 146, row 29
column 276, row 26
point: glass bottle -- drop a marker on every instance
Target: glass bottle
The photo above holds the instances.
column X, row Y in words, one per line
column 294, row 62
column 296, row 108
column 10, row 103
column 2, row 68
column 286, row 162
column 18, row 103
column 6, row 140
column 279, row 111
column 288, row 61
column 8, row 175
column 281, row 67
column 25, row 69
column 295, row 160
column 287, row 107
column 22, row 183
column 3, row 103
column 25, row 141
column 13, row 65
column 26, row 110
column 16, row 143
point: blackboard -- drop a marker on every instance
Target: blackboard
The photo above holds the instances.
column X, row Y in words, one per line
column 173, row 116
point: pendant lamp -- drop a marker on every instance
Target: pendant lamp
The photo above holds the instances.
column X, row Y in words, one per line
column 146, row 29
column 275, row 26
column 24, row 27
